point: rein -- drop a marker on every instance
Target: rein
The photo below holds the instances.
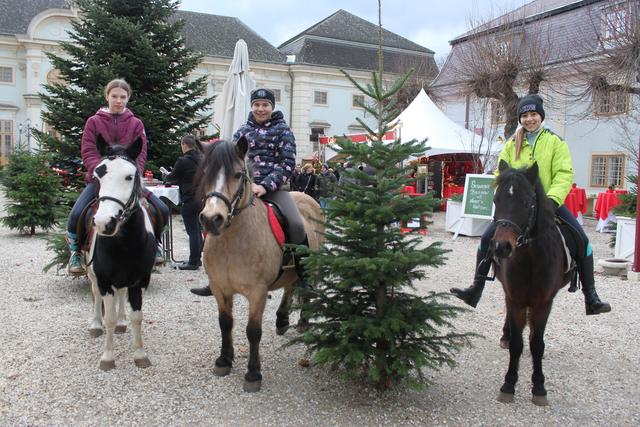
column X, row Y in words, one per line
column 524, row 234
column 232, row 205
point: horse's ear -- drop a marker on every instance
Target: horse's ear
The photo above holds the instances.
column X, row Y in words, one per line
column 133, row 150
column 532, row 173
column 242, row 146
column 102, row 145
column 503, row 166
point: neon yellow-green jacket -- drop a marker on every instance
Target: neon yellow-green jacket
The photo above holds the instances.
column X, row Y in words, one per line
column 554, row 162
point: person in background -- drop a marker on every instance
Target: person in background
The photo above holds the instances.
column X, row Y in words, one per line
column 326, row 183
column 306, row 182
column 294, row 178
column 183, row 174
column 118, row 126
column 533, row 143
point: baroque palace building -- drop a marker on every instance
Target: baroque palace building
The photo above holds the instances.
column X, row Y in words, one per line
column 304, row 72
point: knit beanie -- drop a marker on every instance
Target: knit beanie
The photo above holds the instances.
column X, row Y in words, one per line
column 263, row 95
column 530, row 103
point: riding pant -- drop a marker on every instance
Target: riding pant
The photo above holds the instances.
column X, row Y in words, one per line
column 295, row 227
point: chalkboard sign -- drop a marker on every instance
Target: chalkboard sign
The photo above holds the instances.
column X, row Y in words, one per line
column 477, row 201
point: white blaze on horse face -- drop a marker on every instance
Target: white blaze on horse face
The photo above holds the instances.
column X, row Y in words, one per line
column 213, row 201
column 117, row 182
column 511, row 192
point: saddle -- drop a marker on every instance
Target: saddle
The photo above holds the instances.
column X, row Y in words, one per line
column 84, row 228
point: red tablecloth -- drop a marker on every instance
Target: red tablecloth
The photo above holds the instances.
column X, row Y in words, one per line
column 605, row 202
column 448, row 191
column 576, row 200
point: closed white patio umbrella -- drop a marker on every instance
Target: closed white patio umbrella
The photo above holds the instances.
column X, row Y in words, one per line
column 236, row 92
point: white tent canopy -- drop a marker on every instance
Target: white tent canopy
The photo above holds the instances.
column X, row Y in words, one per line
column 423, row 119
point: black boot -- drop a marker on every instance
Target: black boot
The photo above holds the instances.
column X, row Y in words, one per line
column 472, row 294
column 204, row 291
column 592, row 302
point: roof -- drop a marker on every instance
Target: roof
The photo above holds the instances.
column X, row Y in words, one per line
column 345, row 26
column 533, row 10
column 566, row 31
column 216, row 35
column 16, row 15
column 326, row 53
column 212, row 35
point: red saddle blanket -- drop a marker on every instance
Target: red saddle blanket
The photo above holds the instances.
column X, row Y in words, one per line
column 276, row 227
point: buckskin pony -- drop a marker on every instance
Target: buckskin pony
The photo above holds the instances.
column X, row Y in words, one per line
column 530, row 261
column 241, row 254
column 122, row 250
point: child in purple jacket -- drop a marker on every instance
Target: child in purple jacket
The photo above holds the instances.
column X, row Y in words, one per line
column 117, row 125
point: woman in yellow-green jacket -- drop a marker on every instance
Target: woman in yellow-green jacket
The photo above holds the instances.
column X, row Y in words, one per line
column 533, row 143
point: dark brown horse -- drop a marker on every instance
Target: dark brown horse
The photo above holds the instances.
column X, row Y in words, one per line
column 529, row 260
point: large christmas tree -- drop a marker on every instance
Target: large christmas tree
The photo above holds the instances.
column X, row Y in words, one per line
column 137, row 40
column 366, row 315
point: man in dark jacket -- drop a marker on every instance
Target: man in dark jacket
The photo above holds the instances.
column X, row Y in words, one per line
column 182, row 174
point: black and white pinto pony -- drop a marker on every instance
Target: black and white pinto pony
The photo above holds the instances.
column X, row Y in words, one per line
column 122, row 250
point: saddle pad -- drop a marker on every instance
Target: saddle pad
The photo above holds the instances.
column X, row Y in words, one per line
column 276, row 227
column 567, row 252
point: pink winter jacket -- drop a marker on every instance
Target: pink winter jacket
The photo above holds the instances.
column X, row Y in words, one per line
column 122, row 129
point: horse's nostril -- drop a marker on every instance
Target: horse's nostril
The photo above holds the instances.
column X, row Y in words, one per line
column 217, row 221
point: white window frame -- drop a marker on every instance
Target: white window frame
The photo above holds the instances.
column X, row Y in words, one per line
column 354, row 104
column 317, row 93
column 277, row 94
column 13, row 75
column 4, row 125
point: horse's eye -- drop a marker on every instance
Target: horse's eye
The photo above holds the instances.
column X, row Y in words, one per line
column 129, row 178
column 238, row 175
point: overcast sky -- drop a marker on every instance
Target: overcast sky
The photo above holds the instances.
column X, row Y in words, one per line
column 430, row 23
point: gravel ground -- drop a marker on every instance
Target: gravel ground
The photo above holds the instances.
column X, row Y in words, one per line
column 49, row 372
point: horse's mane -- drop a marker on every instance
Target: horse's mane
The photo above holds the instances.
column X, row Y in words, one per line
column 545, row 215
column 221, row 154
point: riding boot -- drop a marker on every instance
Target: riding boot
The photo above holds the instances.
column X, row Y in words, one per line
column 592, row 301
column 472, row 294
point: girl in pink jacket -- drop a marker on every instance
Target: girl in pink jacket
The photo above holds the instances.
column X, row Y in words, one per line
column 117, row 125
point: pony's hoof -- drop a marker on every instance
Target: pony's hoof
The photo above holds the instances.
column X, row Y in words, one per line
column 252, row 386
column 540, row 400
column 281, row 330
column 142, row 363
column 505, row 397
column 221, row 371
column 504, row 344
column 107, row 365
column 95, row 332
column 121, row 329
